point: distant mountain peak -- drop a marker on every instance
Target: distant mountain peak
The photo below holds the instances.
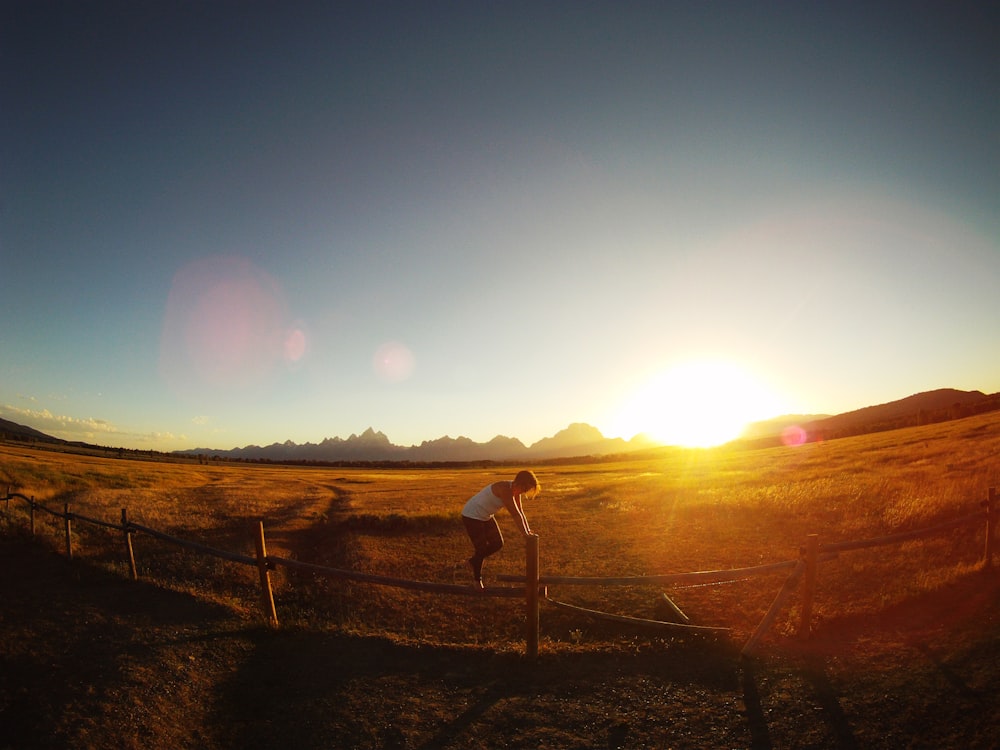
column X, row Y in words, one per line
column 371, row 436
column 581, row 430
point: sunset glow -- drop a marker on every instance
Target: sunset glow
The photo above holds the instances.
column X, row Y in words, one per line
column 697, row 404
column 490, row 219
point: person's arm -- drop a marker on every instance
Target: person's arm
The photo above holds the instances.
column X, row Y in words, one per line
column 513, row 505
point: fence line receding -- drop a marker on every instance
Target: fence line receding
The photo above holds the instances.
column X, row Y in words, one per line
column 535, row 585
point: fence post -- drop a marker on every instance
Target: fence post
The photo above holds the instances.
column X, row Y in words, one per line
column 128, row 545
column 266, row 595
column 990, row 524
column 531, row 594
column 811, row 553
column 69, row 543
column 32, row 506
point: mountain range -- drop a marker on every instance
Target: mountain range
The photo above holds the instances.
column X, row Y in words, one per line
column 576, row 440
column 585, row 440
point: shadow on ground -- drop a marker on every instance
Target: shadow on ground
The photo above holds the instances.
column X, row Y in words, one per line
column 316, row 690
column 90, row 659
column 76, row 640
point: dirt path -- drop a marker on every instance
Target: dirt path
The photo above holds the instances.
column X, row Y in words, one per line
column 89, row 659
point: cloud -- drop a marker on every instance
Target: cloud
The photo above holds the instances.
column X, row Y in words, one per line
column 156, row 437
column 59, row 424
column 200, row 420
column 89, row 430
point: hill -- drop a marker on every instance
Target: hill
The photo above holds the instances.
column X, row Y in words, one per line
column 929, row 407
column 941, row 405
column 14, row 431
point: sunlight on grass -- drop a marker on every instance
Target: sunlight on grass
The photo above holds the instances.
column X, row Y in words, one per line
column 667, row 511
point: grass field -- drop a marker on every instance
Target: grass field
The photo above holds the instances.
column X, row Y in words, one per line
column 186, row 660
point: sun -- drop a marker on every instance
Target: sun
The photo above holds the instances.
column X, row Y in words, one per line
column 697, row 404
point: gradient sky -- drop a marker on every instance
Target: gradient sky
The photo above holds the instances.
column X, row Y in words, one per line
column 225, row 223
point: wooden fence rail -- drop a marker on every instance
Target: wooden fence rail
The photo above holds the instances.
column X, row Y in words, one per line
column 400, row 583
column 703, row 576
column 97, row 522
column 535, row 585
column 776, row 606
column 902, row 536
column 194, row 546
column 266, row 593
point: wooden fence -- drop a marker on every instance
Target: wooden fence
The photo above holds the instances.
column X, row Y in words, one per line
column 534, row 585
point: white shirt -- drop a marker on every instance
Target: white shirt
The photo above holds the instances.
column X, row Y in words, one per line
column 483, row 504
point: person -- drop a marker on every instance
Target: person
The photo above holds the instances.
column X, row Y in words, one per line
column 480, row 521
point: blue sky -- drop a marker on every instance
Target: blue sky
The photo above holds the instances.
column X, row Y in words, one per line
column 228, row 223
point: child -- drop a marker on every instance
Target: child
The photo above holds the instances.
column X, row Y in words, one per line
column 479, row 520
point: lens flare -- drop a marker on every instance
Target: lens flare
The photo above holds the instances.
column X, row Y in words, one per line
column 226, row 329
column 793, row 436
column 295, row 346
column 393, row 362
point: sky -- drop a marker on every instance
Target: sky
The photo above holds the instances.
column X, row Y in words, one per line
column 234, row 223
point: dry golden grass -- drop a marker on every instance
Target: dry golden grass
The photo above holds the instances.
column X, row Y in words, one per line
column 904, row 651
column 672, row 511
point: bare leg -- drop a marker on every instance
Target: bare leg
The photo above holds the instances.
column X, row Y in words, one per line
column 486, row 540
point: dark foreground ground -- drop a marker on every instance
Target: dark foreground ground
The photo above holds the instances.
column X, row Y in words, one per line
column 89, row 659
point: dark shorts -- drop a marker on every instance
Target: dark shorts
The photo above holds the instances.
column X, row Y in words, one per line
column 486, row 539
